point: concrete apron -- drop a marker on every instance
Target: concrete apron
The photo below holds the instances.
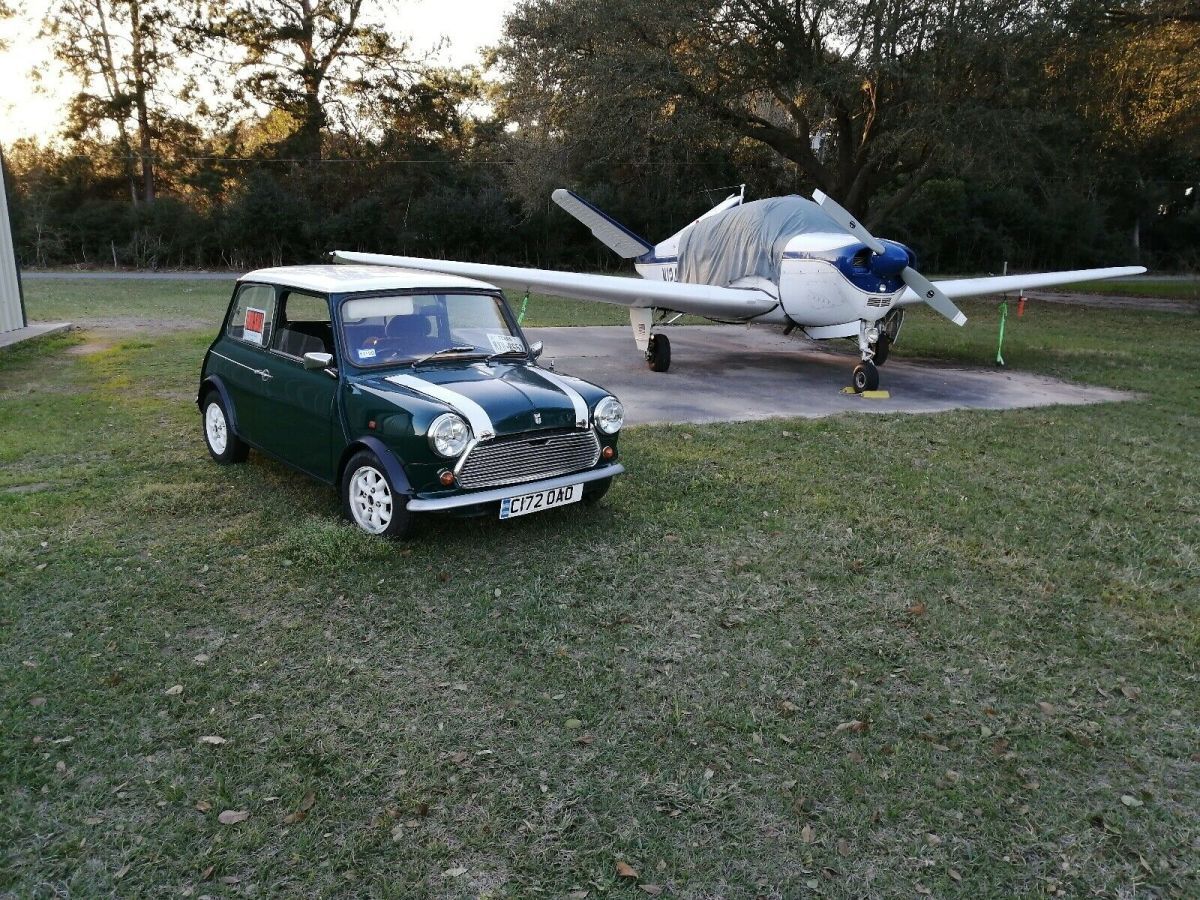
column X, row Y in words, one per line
column 731, row 373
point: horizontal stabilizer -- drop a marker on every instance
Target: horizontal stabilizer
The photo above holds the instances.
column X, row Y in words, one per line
column 604, row 227
column 697, row 299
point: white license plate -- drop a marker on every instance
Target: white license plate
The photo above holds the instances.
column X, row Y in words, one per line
column 525, row 504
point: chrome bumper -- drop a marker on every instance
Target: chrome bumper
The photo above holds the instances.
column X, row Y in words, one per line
column 475, row 498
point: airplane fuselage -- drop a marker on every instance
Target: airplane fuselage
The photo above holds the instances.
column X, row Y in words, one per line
column 826, row 281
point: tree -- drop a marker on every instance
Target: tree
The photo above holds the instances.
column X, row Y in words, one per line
column 119, row 50
column 860, row 95
column 299, row 57
column 6, row 12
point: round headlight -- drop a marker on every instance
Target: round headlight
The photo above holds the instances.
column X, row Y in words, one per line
column 610, row 415
column 448, row 435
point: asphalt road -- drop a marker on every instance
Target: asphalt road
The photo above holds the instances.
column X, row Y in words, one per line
column 730, row 373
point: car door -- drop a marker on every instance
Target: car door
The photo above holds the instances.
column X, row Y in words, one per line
column 298, row 417
column 243, row 360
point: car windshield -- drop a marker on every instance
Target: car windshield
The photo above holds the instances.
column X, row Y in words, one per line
column 385, row 330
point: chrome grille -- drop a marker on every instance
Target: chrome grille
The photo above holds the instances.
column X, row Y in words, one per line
column 880, row 302
column 529, row 457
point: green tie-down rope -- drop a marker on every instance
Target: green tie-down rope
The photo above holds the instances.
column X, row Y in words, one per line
column 524, row 306
column 1000, row 344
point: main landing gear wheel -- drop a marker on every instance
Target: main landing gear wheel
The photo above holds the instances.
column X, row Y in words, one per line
column 658, row 354
column 883, row 347
column 866, row 377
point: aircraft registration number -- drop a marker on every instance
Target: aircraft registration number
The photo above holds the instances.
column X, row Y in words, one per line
column 510, row 507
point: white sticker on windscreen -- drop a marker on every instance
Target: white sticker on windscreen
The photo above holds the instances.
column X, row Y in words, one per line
column 505, row 343
column 367, row 353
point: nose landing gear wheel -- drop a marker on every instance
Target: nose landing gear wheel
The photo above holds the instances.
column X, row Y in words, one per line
column 883, row 347
column 658, row 354
column 866, row 377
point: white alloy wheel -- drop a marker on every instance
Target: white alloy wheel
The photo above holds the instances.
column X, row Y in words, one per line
column 216, row 429
column 370, row 500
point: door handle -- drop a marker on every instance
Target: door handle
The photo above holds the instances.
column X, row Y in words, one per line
column 265, row 374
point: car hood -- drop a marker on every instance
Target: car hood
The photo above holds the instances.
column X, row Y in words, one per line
column 510, row 398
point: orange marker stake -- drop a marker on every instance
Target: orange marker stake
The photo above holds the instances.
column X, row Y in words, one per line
column 1020, row 306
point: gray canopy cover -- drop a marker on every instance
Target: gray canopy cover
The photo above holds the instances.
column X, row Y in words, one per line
column 748, row 240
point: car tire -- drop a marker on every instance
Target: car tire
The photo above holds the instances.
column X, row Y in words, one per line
column 223, row 445
column 371, row 501
column 594, row 491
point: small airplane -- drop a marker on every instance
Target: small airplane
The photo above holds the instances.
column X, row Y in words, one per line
column 784, row 261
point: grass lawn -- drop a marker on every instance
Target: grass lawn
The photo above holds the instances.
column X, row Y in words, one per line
column 859, row 656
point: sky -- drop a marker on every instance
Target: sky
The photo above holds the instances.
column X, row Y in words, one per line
column 32, row 107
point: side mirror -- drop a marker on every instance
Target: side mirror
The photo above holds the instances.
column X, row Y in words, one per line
column 318, row 360
column 536, row 348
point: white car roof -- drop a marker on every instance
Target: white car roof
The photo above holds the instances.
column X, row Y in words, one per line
column 354, row 279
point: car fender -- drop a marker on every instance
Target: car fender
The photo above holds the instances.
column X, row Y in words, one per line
column 390, row 462
column 216, row 383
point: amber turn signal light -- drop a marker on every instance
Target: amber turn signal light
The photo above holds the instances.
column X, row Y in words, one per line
column 608, row 453
column 446, row 477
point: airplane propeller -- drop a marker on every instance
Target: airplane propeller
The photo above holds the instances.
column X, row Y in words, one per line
column 921, row 286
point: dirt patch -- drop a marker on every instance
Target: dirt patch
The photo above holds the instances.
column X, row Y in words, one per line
column 33, row 488
column 88, row 348
column 1104, row 301
column 141, row 325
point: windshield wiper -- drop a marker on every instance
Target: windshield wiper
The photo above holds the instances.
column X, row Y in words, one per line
column 449, row 351
column 523, row 354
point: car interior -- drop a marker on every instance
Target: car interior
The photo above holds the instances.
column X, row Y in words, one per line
column 304, row 326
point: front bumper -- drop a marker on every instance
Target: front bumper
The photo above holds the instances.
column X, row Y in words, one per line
column 495, row 495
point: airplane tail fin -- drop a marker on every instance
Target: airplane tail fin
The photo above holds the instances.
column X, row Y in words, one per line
column 606, row 229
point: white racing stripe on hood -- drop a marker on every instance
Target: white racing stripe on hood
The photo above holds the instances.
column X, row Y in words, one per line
column 581, row 410
column 476, row 416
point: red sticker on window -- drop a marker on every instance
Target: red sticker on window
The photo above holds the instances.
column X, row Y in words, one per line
column 255, row 318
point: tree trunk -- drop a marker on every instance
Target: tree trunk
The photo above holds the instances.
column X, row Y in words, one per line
column 109, row 67
column 140, row 90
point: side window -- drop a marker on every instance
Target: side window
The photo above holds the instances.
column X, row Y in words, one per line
column 254, row 311
column 304, row 325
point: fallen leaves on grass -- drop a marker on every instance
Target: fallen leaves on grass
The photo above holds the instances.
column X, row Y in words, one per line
column 233, row 816
column 203, row 805
column 652, row 889
column 572, row 724
column 456, row 872
column 625, row 870
column 808, row 834
column 301, row 811
column 788, row 708
column 1130, row 692
column 855, row 726
column 212, row 740
column 174, row 690
column 1130, row 800
column 37, row 701
column 918, row 609
column 1047, row 708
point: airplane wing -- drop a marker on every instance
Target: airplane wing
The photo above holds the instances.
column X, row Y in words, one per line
column 695, row 299
column 1001, row 284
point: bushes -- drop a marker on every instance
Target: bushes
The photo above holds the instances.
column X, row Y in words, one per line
column 273, row 213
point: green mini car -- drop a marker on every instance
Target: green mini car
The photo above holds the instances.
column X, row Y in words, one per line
column 411, row 392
